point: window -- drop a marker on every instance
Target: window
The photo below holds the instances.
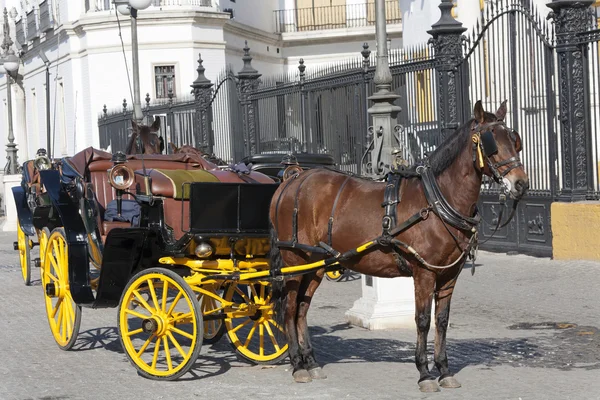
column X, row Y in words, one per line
column 164, row 77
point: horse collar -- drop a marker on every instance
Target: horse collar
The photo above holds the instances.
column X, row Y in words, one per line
column 441, row 207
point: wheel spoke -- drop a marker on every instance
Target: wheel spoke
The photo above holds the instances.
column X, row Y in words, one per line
column 261, row 335
column 182, row 316
column 176, row 344
column 145, row 345
column 165, row 295
column 156, row 350
column 143, row 302
column 240, row 326
column 56, row 307
column 250, row 334
column 175, row 301
column 271, row 336
column 153, row 294
column 182, row 333
column 131, row 333
column 239, row 291
column 137, row 314
column 167, row 353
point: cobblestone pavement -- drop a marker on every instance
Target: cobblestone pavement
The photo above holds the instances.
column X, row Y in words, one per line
column 520, row 328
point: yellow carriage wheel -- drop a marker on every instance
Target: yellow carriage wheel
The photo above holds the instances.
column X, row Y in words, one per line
column 24, row 245
column 43, row 237
column 64, row 315
column 334, row 275
column 250, row 325
column 213, row 328
column 159, row 324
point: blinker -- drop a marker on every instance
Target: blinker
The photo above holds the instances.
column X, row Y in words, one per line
column 489, row 143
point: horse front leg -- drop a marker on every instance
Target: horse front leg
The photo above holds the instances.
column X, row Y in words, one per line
column 424, row 286
column 310, row 284
column 442, row 314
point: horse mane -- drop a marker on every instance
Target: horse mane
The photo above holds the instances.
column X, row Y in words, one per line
column 446, row 153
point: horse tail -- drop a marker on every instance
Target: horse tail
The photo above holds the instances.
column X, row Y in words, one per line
column 278, row 295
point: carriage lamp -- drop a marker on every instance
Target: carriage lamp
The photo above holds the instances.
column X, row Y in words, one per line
column 124, row 6
column 121, row 177
column 42, row 161
column 203, row 250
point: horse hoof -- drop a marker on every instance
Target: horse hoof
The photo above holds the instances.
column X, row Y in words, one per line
column 302, row 376
column 317, row 373
column 449, row 382
column 428, row 386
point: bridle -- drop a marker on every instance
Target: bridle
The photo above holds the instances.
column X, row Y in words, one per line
column 485, row 146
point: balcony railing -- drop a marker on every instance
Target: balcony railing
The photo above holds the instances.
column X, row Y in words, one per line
column 333, row 17
column 104, row 5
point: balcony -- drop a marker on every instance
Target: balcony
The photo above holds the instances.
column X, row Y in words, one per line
column 333, row 17
column 46, row 20
column 105, row 5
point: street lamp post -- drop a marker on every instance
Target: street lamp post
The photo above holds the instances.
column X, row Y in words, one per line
column 384, row 111
column 131, row 7
column 47, row 63
column 10, row 63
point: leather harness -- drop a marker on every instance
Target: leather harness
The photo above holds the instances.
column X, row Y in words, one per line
column 437, row 204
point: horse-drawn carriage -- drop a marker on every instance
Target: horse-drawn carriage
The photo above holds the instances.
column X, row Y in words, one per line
column 163, row 237
column 177, row 242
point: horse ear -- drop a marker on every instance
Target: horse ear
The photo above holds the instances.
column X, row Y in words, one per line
column 501, row 113
column 479, row 112
column 162, row 143
column 173, row 147
column 156, row 124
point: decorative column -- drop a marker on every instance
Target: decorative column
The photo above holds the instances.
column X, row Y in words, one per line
column 571, row 18
column 203, row 92
column 138, row 115
column 447, row 43
column 248, row 82
column 386, row 303
column 11, row 66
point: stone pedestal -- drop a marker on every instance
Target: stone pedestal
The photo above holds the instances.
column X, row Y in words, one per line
column 386, row 303
column 10, row 209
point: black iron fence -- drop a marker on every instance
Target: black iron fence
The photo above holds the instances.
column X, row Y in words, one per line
column 546, row 69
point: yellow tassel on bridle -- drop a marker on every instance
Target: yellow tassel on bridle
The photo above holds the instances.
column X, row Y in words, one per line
column 477, row 141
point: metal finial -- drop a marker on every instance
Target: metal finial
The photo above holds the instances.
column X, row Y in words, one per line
column 124, row 105
column 201, row 81
column 248, row 70
column 301, row 67
column 147, row 99
column 104, row 110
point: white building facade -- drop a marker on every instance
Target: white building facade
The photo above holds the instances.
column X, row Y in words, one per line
column 88, row 45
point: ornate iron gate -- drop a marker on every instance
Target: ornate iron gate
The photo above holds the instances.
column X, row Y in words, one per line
column 511, row 57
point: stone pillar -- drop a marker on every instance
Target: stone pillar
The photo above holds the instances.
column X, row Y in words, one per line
column 572, row 18
column 385, row 304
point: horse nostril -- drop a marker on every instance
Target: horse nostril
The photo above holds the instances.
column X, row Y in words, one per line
column 522, row 185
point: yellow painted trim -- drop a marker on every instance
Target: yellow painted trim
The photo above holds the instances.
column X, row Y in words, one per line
column 574, row 230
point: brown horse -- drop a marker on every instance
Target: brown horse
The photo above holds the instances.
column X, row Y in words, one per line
column 328, row 210
column 144, row 139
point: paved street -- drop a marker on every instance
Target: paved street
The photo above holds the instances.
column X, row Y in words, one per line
column 521, row 328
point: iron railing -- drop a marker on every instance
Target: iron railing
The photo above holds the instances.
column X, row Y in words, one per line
column 333, row 17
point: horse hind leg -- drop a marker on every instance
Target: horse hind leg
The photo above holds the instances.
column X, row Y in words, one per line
column 442, row 313
column 299, row 372
column 310, row 284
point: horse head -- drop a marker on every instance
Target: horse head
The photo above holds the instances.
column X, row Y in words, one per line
column 496, row 150
column 145, row 139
